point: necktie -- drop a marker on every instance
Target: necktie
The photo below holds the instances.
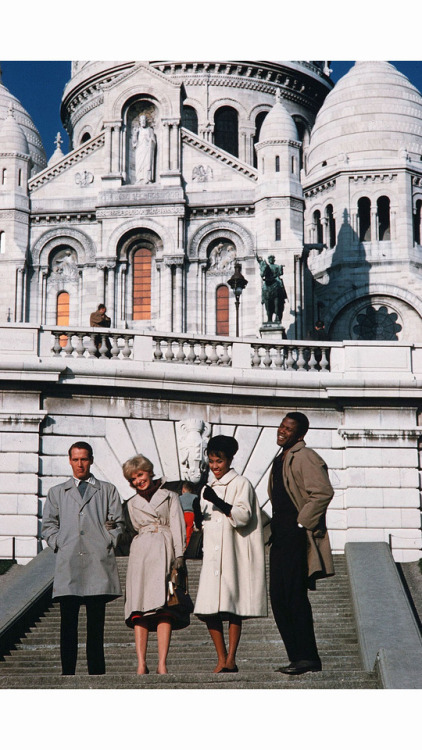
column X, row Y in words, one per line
column 82, row 487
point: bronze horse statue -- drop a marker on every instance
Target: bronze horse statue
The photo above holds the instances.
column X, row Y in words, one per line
column 273, row 292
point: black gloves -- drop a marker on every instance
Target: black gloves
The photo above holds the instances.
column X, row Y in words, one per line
column 212, row 496
column 197, row 513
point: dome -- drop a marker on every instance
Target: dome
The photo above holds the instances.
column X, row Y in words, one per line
column 372, row 113
column 12, row 137
column 278, row 124
column 26, row 127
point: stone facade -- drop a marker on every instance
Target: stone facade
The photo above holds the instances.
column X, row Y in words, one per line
column 176, row 171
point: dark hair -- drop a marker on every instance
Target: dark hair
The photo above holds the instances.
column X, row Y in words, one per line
column 301, row 420
column 101, row 306
column 222, row 444
column 83, row 447
column 189, row 486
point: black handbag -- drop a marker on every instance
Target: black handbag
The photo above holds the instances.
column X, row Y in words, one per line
column 178, row 598
column 194, row 549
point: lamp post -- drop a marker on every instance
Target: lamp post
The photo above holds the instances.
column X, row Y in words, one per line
column 237, row 282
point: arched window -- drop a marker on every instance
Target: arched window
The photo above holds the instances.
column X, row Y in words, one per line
column 222, row 310
column 4, row 176
column 331, row 225
column 259, row 119
column 85, row 137
column 226, row 130
column 2, row 243
column 141, row 292
column 189, row 119
column 303, row 135
column 277, row 163
column 364, row 217
column 277, row 230
column 317, row 226
column 383, row 211
column 417, row 223
column 62, row 313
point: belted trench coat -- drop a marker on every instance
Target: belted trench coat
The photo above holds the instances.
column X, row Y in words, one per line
column 73, row 526
column 306, row 480
column 161, row 537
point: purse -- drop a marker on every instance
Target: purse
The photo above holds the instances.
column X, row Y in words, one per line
column 178, row 597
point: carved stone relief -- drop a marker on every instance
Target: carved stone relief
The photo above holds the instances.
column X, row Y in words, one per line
column 192, row 437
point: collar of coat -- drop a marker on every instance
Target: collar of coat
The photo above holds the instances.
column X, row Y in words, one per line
column 92, row 487
column 294, row 449
column 151, row 507
column 226, row 479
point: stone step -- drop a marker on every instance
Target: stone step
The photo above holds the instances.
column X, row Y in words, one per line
column 35, row 660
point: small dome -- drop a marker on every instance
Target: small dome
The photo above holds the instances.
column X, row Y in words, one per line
column 32, row 137
column 372, row 113
column 278, row 124
column 12, row 137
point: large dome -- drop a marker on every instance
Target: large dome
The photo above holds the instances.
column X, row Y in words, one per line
column 9, row 103
column 372, row 114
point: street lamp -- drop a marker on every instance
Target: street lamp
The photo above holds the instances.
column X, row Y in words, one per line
column 237, row 282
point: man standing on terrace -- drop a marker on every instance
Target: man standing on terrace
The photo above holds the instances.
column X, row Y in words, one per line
column 300, row 491
column 82, row 520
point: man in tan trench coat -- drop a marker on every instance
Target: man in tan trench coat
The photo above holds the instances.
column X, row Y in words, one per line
column 300, row 491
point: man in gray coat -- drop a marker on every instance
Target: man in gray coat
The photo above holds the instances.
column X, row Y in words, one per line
column 82, row 520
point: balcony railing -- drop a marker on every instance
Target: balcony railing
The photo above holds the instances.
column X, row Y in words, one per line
column 188, row 350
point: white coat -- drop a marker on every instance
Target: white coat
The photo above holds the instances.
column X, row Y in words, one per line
column 233, row 570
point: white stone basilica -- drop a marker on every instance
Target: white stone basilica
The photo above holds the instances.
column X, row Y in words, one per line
column 177, row 173
column 177, row 170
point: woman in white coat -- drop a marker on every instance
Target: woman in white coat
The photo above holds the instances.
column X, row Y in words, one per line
column 232, row 583
column 157, row 517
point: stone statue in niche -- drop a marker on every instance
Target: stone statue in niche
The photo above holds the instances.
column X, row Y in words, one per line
column 145, row 144
column 273, row 292
column 222, row 258
column 192, row 438
column 65, row 266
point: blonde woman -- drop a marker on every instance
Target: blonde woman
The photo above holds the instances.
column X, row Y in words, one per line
column 157, row 517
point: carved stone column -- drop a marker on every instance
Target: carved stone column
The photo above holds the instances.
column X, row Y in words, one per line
column 111, row 266
column 101, row 280
column 176, row 265
column 20, row 282
column 43, row 285
column 167, row 146
column 121, row 292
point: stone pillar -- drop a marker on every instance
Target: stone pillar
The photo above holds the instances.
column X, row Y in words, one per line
column 19, row 304
column 111, row 266
column 121, row 293
column 108, row 147
column 20, row 419
column 374, row 225
column 43, row 286
column 166, row 147
column 176, row 286
column 101, row 280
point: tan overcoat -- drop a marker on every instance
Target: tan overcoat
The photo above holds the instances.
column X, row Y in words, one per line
column 233, row 570
column 161, row 537
column 306, row 480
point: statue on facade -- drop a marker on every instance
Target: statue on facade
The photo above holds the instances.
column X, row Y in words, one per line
column 65, row 265
column 273, row 292
column 192, row 438
column 145, row 144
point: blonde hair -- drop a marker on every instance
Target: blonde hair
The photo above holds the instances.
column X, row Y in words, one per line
column 136, row 463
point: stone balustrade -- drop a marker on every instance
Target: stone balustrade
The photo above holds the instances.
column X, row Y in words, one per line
column 192, row 351
column 95, row 343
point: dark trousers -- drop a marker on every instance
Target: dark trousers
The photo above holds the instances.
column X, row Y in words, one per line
column 95, row 618
column 289, row 593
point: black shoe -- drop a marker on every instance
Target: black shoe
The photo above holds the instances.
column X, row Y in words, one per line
column 300, row 667
column 226, row 669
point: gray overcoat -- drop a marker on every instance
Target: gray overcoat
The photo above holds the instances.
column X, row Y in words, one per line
column 74, row 529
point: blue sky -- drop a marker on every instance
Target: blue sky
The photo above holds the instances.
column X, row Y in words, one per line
column 39, row 86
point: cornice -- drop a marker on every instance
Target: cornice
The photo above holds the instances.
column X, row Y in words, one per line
column 223, row 156
column 75, row 156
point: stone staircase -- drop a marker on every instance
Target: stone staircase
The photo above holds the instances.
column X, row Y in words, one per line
column 35, row 661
